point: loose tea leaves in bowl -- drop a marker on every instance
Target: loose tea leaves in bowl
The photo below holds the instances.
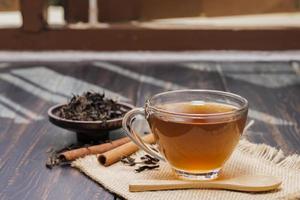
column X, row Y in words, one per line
column 91, row 106
column 91, row 115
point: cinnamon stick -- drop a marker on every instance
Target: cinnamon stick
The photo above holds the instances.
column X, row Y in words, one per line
column 96, row 149
column 110, row 157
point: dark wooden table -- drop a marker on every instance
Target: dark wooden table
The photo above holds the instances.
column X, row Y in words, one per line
column 27, row 90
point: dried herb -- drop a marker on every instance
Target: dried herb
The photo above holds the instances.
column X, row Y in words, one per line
column 146, row 162
column 149, row 160
column 55, row 160
column 128, row 161
column 91, row 106
column 146, row 167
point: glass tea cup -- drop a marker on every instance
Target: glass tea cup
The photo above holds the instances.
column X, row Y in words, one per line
column 196, row 130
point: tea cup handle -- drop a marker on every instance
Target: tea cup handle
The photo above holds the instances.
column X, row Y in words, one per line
column 134, row 136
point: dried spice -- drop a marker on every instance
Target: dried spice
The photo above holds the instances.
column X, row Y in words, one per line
column 149, row 160
column 91, row 106
column 146, row 162
column 128, row 161
column 54, row 158
column 146, row 167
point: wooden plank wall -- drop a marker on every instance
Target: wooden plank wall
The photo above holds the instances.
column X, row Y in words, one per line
column 76, row 10
column 132, row 38
column 118, row 10
column 34, row 14
column 245, row 7
column 9, row 5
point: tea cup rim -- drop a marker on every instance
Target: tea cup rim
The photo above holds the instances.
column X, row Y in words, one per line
column 236, row 112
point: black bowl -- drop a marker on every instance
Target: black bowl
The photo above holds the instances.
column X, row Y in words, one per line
column 87, row 130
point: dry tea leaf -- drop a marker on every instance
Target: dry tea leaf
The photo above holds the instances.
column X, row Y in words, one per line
column 147, row 163
column 91, row 106
column 146, row 167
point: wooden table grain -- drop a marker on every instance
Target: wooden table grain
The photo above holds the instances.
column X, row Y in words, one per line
column 28, row 89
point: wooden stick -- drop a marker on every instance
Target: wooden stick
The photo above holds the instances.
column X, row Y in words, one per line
column 96, row 149
column 110, row 157
column 246, row 183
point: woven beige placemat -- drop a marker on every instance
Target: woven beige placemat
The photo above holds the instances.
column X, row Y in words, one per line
column 247, row 159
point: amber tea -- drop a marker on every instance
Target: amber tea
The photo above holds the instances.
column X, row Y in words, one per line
column 196, row 130
column 197, row 145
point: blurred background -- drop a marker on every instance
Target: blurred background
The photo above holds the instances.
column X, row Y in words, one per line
column 94, row 18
